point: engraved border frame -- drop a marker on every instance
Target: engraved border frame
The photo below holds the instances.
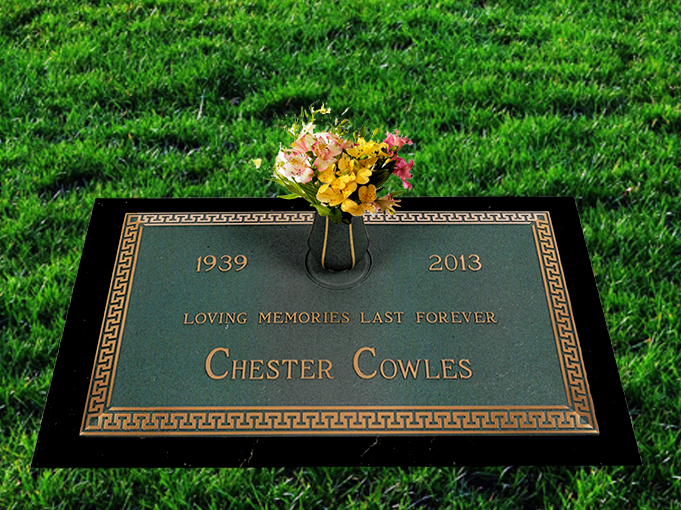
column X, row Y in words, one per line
column 99, row 419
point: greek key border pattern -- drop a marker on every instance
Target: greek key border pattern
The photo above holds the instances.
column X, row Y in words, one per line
column 452, row 218
column 98, row 419
column 297, row 218
column 567, row 343
column 227, row 218
column 264, row 421
column 104, row 371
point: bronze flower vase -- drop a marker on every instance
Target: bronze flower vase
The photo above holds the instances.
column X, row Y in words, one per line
column 338, row 257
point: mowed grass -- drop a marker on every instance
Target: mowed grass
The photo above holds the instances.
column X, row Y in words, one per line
column 170, row 98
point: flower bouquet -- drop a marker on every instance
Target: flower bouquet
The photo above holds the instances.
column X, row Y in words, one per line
column 341, row 178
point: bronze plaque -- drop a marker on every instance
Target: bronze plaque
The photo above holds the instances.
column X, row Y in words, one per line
column 211, row 327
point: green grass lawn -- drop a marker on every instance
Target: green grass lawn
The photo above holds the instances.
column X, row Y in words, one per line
column 172, row 98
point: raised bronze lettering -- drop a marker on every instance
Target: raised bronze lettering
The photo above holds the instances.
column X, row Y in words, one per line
column 236, row 367
column 445, row 368
column 288, row 363
column 435, row 266
column 355, row 362
column 476, row 260
column 255, row 368
column 394, row 370
column 273, row 365
column 427, row 364
column 325, row 370
column 409, row 368
column 306, row 364
column 209, row 359
column 467, row 369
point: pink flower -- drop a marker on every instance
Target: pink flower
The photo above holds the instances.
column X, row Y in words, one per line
column 303, row 145
column 294, row 165
column 396, row 142
column 341, row 142
column 327, row 148
column 402, row 170
column 387, row 204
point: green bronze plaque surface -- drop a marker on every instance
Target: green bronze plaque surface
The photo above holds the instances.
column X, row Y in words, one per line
column 212, row 326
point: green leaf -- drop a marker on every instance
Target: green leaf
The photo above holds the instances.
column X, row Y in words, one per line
column 381, row 174
column 336, row 215
column 322, row 209
column 289, row 197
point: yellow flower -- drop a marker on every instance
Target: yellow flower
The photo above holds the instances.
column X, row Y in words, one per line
column 350, row 206
column 346, row 164
column 368, row 162
column 349, row 189
column 362, row 175
column 369, row 149
column 330, row 196
column 367, row 195
column 327, row 176
column 343, row 181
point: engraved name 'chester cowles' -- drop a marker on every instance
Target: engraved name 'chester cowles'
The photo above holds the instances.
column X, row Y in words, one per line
column 366, row 364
